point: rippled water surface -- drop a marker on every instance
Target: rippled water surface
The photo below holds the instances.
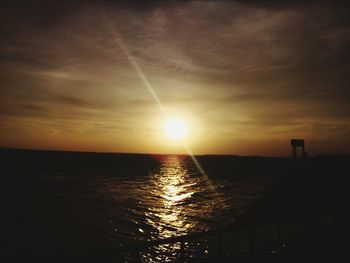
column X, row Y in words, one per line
column 92, row 212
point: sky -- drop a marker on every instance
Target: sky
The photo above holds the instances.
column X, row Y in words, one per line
column 246, row 76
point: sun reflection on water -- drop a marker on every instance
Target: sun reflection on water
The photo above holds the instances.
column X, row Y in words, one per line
column 177, row 200
column 171, row 186
column 171, row 210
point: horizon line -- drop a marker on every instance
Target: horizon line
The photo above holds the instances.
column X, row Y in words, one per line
column 144, row 153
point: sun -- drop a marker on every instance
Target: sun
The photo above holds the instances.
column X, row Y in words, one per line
column 175, row 129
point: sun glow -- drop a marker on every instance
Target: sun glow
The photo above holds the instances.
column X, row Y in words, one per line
column 175, row 129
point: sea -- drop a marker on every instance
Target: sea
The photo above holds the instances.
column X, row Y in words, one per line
column 94, row 207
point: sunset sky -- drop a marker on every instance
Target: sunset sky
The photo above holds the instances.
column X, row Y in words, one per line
column 246, row 77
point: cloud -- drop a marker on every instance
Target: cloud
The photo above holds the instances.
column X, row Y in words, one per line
column 244, row 64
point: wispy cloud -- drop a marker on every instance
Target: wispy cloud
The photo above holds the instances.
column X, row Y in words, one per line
column 271, row 69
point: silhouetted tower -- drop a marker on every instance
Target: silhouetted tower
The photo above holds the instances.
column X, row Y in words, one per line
column 298, row 143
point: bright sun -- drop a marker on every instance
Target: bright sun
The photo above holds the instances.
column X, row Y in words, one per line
column 175, row 129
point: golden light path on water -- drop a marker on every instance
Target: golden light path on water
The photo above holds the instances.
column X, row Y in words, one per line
column 170, row 184
column 167, row 216
column 177, row 201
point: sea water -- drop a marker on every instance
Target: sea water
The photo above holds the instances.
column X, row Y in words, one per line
column 102, row 211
